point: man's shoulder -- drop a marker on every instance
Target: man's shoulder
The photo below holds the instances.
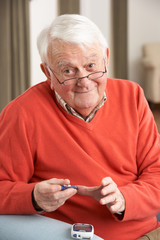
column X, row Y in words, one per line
column 123, row 90
column 122, row 83
column 30, row 98
column 39, row 90
column 123, row 86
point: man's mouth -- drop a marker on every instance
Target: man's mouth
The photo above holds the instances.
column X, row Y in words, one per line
column 83, row 92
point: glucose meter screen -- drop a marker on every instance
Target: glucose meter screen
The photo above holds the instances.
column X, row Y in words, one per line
column 86, row 228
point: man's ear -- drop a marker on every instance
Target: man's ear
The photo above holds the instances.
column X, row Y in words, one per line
column 45, row 70
column 107, row 56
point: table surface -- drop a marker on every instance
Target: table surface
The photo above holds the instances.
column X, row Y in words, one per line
column 33, row 227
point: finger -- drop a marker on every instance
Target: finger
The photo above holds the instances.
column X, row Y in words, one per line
column 106, row 181
column 51, row 185
column 47, row 188
column 61, row 197
column 89, row 191
column 110, row 188
column 53, row 196
column 111, row 198
column 58, row 181
column 114, row 202
column 52, row 201
column 116, row 207
column 50, row 207
column 65, row 194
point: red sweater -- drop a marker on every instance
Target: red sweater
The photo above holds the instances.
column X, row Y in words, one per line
column 39, row 141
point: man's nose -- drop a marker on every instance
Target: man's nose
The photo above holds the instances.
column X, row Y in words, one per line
column 83, row 81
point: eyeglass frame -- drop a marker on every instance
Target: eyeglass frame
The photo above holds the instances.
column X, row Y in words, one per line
column 103, row 72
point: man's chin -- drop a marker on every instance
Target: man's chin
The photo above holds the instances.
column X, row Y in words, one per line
column 85, row 108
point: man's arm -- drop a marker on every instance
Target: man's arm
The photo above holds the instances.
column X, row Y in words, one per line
column 139, row 198
column 16, row 162
column 17, row 168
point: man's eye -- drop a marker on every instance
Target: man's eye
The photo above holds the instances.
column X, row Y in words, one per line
column 91, row 65
column 68, row 71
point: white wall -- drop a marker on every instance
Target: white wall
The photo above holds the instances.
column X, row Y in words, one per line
column 143, row 27
column 42, row 13
column 99, row 11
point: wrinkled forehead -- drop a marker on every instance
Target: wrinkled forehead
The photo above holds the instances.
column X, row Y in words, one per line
column 61, row 49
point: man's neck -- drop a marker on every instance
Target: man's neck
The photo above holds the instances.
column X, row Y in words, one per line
column 85, row 114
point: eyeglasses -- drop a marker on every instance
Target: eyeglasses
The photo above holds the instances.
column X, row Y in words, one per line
column 91, row 76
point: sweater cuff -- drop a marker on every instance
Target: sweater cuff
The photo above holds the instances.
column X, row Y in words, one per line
column 35, row 205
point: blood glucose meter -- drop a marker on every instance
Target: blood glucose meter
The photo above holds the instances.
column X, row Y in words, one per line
column 82, row 231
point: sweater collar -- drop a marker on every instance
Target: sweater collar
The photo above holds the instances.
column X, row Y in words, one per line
column 73, row 112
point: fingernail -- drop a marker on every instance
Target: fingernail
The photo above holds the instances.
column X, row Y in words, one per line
column 103, row 192
column 102, row 202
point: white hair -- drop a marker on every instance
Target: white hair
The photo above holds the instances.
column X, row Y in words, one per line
column 71, row 28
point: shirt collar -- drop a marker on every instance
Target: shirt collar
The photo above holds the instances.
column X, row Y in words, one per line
column 73, row 112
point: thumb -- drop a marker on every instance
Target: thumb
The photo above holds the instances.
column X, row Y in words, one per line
column 58, row 181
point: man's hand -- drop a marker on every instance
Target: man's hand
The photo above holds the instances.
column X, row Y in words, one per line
column 48, row 194
column 107, row 194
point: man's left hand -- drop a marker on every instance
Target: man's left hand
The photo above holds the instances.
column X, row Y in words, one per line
column 107, row 194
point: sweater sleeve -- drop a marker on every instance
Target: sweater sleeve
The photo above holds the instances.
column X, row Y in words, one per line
column 143, row 195
column 16, row 162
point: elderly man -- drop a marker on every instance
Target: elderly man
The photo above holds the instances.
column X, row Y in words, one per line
column 78, row 127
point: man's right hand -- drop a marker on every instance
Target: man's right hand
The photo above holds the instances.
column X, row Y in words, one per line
column 48, row 195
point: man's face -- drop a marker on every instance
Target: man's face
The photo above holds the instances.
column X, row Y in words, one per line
column 68, row 60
